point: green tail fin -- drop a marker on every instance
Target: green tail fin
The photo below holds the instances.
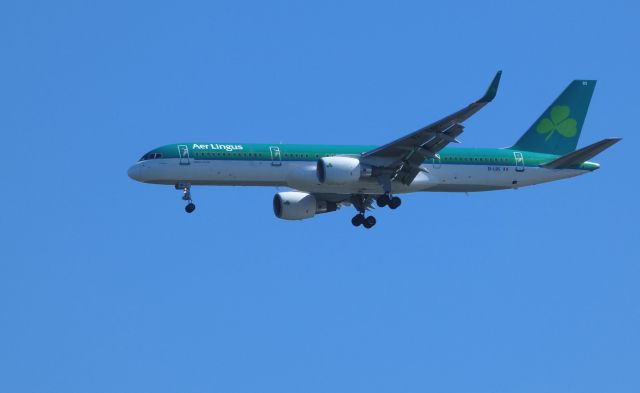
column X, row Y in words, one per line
column 558, row 129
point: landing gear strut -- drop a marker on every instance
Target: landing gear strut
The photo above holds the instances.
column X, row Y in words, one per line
column 186, row 196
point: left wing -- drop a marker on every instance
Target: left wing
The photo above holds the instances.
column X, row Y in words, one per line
column 400, row 160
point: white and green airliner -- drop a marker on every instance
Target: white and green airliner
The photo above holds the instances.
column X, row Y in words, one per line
column 324, row 178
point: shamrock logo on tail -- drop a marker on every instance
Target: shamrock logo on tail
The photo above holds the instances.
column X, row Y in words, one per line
column 560, row 121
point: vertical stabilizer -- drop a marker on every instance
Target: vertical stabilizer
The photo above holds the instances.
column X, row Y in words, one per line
column 558, row 129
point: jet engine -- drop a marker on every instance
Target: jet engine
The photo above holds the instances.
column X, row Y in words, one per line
column 295, row 205
column 340, row 170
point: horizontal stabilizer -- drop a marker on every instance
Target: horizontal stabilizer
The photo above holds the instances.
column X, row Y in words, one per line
column 581, row 155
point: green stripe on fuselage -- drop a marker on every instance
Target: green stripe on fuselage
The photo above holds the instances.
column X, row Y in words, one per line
column 295, row 152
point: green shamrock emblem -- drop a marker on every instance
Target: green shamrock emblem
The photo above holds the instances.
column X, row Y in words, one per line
column 560, row 121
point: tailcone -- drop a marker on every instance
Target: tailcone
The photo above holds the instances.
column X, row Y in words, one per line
column 590, row 166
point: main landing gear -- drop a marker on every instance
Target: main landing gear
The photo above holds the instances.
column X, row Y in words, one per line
column 388, row 200
column 362, row 203
column 359, row 219
column 186, row 196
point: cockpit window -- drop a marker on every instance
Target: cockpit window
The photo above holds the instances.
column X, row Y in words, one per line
column 151, row 156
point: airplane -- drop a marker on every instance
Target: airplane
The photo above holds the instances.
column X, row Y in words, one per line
column 324, row 178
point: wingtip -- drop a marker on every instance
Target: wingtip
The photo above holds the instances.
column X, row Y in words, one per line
column 613, row 140
column 493, row 88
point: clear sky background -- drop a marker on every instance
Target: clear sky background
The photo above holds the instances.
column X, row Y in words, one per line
column 106, row 285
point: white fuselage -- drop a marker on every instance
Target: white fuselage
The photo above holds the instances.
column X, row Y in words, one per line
column 301, row 175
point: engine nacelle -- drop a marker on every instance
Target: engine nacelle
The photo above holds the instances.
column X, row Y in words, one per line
column 295, row 205
column 340, row 170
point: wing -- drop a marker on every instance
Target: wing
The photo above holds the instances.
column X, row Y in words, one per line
column 400, row 160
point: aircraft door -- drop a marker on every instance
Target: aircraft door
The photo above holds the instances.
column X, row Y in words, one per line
column 183, row 153
column 276, row 156
column 519, row 161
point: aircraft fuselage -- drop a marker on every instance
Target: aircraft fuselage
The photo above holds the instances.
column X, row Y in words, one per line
column 456, row 169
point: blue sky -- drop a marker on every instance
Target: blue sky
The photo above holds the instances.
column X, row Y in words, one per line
column 106, row 285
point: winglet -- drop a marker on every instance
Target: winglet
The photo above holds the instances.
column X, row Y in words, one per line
column 492, row 90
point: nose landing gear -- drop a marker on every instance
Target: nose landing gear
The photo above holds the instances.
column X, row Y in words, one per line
column 186, row 196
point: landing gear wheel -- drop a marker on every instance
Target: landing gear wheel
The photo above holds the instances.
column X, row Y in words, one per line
column 369, row 222
column 394, row 203
column 357, row 220
column 383, row 200
column 186, row 196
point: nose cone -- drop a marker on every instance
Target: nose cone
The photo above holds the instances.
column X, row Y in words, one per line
column 135, row 172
